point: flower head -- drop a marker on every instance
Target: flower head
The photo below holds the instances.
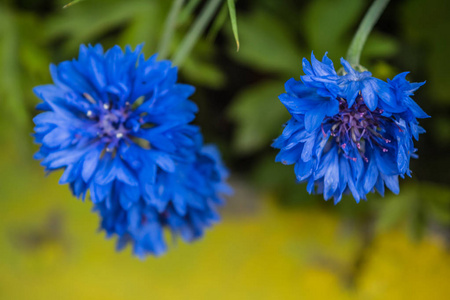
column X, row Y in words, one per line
column 114, row 117
column 183, row 201
column 348, row 133
column 118, row 125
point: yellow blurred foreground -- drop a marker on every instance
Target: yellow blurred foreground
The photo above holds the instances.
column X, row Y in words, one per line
column 49, row 249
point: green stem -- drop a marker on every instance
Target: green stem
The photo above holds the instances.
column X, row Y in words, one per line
column 371, row 17
column 195, row 31
column 187, row 10
column 169, row 28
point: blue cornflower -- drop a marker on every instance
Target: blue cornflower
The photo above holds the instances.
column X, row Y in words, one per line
column 348, row 133
column 114, row 119
column 118, row 125
column 183, row 201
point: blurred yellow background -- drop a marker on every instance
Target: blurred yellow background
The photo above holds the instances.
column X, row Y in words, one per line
column 49, row 249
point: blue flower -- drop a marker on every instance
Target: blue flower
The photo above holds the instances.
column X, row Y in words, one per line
column 348, row 133
column 118, row 125
column 183, row 201
column 114, row 118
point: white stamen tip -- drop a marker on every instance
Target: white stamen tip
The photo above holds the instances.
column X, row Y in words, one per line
column 89, row 113
column 119, row 135
column 106, row 106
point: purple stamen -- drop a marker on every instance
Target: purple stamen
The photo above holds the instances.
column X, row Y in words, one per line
column 357, row 125
column 110, row 123
column 323, row 131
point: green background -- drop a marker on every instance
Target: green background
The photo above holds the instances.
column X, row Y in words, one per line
column 275, row 241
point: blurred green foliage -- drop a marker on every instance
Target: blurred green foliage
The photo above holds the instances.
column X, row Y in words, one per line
column 237, row 92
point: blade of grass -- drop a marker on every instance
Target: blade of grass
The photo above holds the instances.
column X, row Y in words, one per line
column 169, row 28
column 72, row 3
column 195, row 31
column 232, row 10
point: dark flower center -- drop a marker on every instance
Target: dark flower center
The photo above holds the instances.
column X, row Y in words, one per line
column 109, row 122
column 358, row 127
column 111, row 125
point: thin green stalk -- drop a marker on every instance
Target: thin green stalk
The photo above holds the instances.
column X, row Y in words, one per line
column 71, row 3
column 232, row 10
column 369, row 20
column 187, row 10
column 195, row 31
column 169, row 28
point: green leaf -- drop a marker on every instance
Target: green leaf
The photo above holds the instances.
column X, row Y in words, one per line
column 259, row 116
column 234, row 27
